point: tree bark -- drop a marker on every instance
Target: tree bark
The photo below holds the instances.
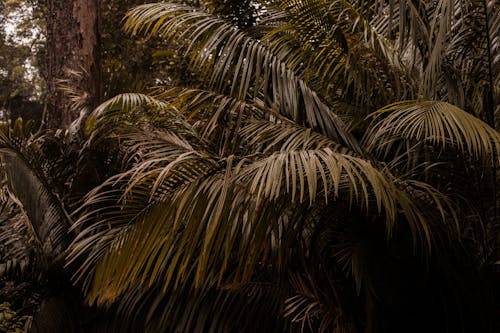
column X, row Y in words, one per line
column 73, row 58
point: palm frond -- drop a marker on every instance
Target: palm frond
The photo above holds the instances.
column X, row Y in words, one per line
column 123, row 108
column 240, row 64
column 45, row 211
column 438, row 123
column 268, row 136
column 175, row 220
column 336, row 43
column 165, row 164
column 15, row 249
column 215, row 116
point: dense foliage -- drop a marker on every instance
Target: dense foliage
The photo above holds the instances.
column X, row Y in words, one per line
column 318, row 166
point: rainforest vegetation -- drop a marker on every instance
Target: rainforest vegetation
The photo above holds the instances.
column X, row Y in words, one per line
column 250, row 166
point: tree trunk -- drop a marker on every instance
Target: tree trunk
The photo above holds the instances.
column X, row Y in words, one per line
column 73, row 58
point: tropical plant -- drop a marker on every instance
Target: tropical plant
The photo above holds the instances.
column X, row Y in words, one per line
column 330, row 172
column 44, row 175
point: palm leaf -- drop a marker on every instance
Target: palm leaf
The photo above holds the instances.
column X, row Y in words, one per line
column 268, row 136
column 438, row 123
column 200, row 224
column 335, row 43
column 15, row 249
column 120, row 110
column 45, row 211
column 239, row 63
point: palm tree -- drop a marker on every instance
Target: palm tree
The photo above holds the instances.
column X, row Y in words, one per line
column 273, row 189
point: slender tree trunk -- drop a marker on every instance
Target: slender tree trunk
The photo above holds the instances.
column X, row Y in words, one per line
column 73, row 57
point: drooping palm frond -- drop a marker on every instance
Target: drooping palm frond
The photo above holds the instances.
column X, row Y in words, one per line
column 203, row 115
column 438, row 123
column 45, row 212
column 240, row 64
column 126, row 101
column 163, row 163
column 282, row 138
column 181, row 217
